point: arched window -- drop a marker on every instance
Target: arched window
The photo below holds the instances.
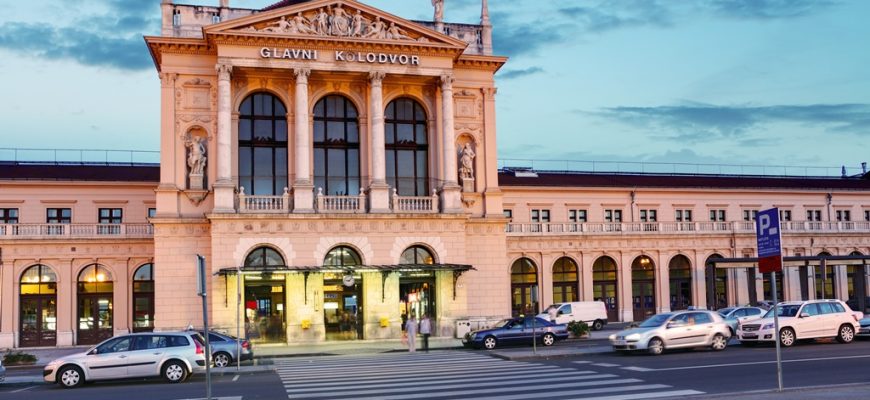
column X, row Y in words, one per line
column 143, row 299
column 264, row 257
column 680, row 271
column 604, row 286
column 564, row 280
column 643, row 287
column 38, row 298
column 342, row 256
column 717, row 284
column 524, row 277
column 336, row 146
column 407, row 147
column 95, row 298
column 263, row 145
column 416, row 255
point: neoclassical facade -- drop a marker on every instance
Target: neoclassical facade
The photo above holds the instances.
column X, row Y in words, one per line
column 336, row 167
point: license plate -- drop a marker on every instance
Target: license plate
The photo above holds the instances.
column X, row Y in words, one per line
column 749, row 336
column 619, row 342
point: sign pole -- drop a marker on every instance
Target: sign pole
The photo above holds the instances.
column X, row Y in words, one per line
column 238, row 318
column 203, row 292
column 767, row 230
column 776, row 329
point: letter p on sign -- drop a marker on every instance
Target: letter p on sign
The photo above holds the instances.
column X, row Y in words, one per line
column 769, row 244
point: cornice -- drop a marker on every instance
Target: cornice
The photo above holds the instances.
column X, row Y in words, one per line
column 486, row 63
column 332, row 43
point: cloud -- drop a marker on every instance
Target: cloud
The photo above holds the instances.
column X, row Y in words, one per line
column 766, row 9
column 107, row 36
column 702, row 122
column 519, row 73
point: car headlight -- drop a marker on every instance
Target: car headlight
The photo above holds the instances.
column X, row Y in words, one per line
column 612, row 337
column 766, row 327
column 633, row 337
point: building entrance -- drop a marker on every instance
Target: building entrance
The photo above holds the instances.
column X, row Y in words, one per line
column 264, row 309
column 343, row 306
column 38, row 320
column 417, row 295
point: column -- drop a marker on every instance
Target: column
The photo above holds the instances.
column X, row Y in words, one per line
column 167, row 190
column 224, row 187
column 7, row 309
column 303, row 188
column 487, row 161
column 379, row 191
column 450, row 191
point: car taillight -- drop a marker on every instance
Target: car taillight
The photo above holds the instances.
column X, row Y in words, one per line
column 199, row 348
column 246, row 345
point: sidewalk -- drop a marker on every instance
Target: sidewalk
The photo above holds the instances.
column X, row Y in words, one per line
column 854, row 391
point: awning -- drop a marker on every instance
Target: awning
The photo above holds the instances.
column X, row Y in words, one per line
column 298, row 269
column 792, row 261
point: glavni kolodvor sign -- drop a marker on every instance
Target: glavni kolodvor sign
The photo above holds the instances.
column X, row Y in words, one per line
column 341, row 55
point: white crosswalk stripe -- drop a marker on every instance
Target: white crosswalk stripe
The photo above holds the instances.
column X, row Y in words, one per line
column 453, row 375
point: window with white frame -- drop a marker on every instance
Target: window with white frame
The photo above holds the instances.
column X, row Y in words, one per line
column 844, row 215
column 613, row 215
column 577, row 215
column 785, row 215
column 648, row 216
column 814, row 215
column 749, row 215
column 683, row 215
column 717, row 215
column 540, row 215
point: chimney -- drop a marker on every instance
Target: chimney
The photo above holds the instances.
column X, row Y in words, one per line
column 166, row 11
column 864, row 167
column 486, row 40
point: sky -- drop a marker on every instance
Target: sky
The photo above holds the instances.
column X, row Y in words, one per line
column 721, row 82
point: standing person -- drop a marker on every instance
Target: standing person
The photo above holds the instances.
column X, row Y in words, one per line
column 425, row 330
column 411, row 331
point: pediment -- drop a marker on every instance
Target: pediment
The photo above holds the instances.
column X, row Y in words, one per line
column 334, row 20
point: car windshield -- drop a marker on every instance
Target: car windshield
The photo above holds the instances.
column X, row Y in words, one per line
column 655, row 321
column 788, row 310
column 502, row 323
column 724, row 312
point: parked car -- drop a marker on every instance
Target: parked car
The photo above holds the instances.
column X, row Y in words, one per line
column 517, row 331
column 2, row 370
column 673, row 330
column 225, row 347
column 593, row 313
column 864, row 329
column 171, row 355
column 737, row 315
column 803, row 320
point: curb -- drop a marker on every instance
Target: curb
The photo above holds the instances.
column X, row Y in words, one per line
column 792, row 390
column 528, row 357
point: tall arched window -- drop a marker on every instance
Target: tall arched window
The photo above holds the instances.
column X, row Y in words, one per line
column 407, row 147
column 524, row 277
column 342, row 256
column 143, row 299
column 336, row 146
column 95, row 312
column 264, row 257
column 643, row 287
column 263, row 145
column 717, row 284
column 564, row 280
column 604, row 286
column 38, row 299
column 416, row 255
column 680, row 271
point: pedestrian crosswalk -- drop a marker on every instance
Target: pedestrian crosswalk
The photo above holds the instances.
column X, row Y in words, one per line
column 454, row 375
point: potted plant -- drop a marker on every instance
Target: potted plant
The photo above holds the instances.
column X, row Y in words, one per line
column 18, row 358
column 578, row 329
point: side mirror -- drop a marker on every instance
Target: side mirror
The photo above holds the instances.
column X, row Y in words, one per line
column 804, row 315
column 93, row 351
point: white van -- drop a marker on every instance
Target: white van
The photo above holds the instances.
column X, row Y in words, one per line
column 594, row 313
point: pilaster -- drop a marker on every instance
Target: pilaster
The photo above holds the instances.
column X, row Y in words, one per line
column 450, row 190
column 303, row 188
column 224, row 188
column 379, row 191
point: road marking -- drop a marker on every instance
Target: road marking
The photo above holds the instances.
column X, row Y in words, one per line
column 21, row 390
column 755, row 363
column 452, row 378
column 638, row 369
column 235, row 378
column 577, row 393
column 438, row 385
column 608, row 365
column 633, row 396
column 582, row 362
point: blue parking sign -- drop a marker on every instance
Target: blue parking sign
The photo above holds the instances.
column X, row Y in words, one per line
column 767, row 231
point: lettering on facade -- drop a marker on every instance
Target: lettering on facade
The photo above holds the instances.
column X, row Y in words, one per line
column 344, row 56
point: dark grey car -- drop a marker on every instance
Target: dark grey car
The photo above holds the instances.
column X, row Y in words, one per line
column 224, row 349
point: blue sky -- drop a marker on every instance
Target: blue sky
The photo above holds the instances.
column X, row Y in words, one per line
column 774, row 82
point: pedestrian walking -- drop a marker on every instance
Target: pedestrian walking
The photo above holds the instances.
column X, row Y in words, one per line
column 425, row 331
column 411, row 331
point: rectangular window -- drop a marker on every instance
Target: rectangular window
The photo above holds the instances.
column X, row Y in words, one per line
column 577, row 215
column 749, row 215
column 111, row 215
column 8, row 215
column 58, row 215
column 613, row 215
column 785, row 215
column 844, row 215
column 509, row 214
column 648, row 216
column 814, row 215
column 152, row 212
column 866, row 215
column 683, row 215
column 717, row 215
column 540, row 215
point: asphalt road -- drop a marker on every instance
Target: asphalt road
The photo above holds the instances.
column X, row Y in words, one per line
column 738, row 368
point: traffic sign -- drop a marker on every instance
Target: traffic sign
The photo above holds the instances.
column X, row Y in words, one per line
column 767, row 231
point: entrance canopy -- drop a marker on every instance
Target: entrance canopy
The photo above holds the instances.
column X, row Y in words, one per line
column 794, row 261
column 288, row 269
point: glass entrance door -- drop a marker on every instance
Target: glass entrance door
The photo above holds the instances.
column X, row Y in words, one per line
column 606, row 292
column 95, row 318
column 265, row 319
column 643, row 299
column 417, row 295
column 38, row 325
column 342, row 306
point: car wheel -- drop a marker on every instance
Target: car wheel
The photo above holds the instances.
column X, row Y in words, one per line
column 490, row 342
column 846, row 334
column 222, row 360
column 786, row 337
column 719, row 342
column 174, row 371
column 70, row 376
column 597, row 325
column 549, row 339
column 655, row 346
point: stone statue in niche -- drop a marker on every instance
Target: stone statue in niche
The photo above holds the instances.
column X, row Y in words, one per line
column 439, row 10
column 196, row 160
column 466, row 168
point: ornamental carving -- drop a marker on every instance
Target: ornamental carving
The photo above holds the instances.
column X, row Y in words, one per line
column 336, row 21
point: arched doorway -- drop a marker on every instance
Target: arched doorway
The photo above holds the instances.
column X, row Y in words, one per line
column 38, row 299
column 524, row 277
column 265, row 317
column 95, row 302
column 417, row 287
column 143, row 299
column 604, row 286
column 564, row 280
column 826, row 279
column 643, row 287
column 717, row 284
column 343, row 295
column 680, row 271
column 856, row 279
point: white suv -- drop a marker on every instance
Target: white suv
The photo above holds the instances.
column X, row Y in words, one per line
column 803, row 320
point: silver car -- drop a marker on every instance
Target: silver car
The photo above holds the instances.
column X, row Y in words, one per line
column 171, row 355
column 673, row 330
column 224, row 349
column 736, row 315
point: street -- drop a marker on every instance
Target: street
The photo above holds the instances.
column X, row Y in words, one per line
column 463, row 374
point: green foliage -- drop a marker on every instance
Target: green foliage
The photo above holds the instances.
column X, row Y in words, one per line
column 18, row 357
column 578, row 328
